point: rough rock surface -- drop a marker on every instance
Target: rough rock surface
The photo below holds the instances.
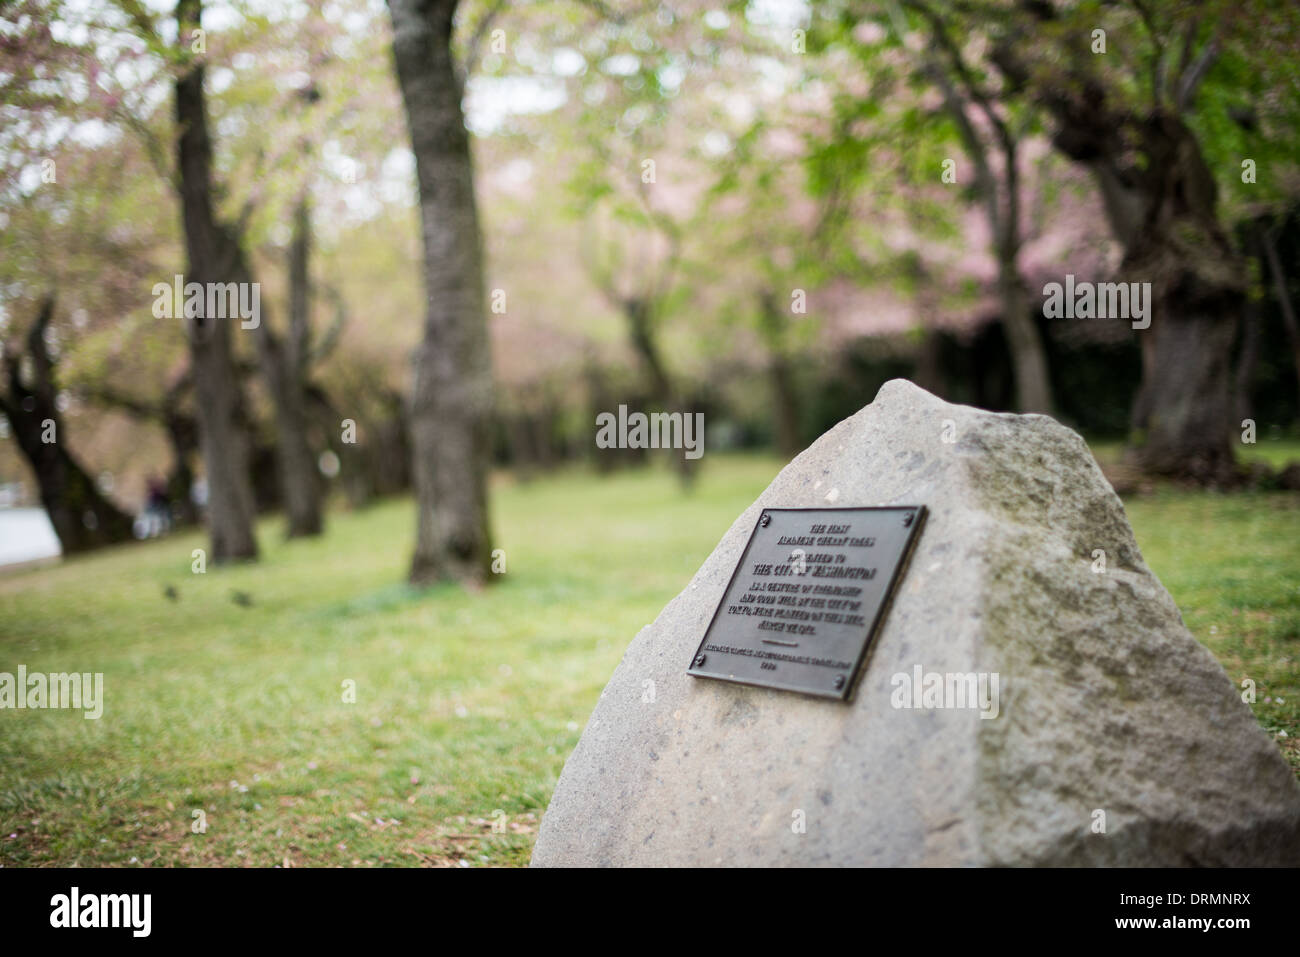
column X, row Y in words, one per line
column 1107, row 703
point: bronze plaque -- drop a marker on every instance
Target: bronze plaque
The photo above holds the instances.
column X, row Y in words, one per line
column 809, row 595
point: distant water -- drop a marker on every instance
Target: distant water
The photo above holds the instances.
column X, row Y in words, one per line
column 25, row 535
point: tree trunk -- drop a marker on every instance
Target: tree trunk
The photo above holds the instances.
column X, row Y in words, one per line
column 1028, row 357
column 213, row 255
column 1000, row 191
column 82, row 518
column 785, row 401
column 641, row 334
column 1186, row 401
column 1159, row 197
column 785, row 397
column 1247, row 364
column 638, row 311
column 284, row 364
column 1183, row 417
column 182, row 432
column 183, row 436
column 452, row 395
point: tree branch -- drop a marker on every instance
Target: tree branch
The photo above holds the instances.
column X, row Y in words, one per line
column 325, row 344
column 475, row 40
column 1190, row 80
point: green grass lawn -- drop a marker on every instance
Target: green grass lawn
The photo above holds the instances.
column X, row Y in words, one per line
column 466, row 704
column 1276, row 453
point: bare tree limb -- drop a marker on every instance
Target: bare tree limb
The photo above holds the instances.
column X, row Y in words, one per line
column 37, row 350
column 475, row 41
column 1190, row 80
column 1157, row 75
column 956, row 107
column 324, row 345
column 153, row 146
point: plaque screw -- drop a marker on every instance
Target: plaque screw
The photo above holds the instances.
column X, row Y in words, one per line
column 765, row 521
column 839, row 682
column 699, row 660
column 907, row 519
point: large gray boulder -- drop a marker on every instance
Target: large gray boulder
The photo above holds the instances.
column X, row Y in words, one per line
column 1108, row 706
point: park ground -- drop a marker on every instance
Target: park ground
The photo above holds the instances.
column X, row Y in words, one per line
column 225, row 691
